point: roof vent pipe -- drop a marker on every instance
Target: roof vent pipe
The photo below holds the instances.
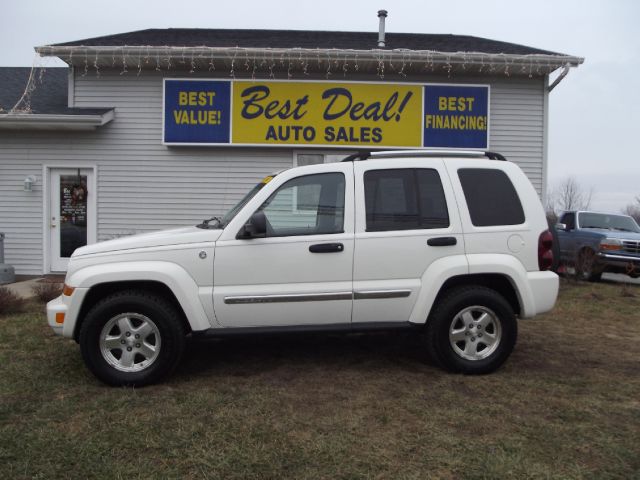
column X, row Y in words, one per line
column 382, row 14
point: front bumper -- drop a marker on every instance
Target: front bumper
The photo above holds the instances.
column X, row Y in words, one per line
column 55, row 308
column 62, row 312
column 622, row 263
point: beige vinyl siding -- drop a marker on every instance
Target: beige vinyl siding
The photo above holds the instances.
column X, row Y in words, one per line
column 144, row 185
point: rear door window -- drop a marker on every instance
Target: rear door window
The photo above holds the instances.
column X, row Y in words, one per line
column 491, row 197
column 404, row 199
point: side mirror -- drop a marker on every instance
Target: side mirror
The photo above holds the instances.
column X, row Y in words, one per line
column 256, row 227
column 561, row 226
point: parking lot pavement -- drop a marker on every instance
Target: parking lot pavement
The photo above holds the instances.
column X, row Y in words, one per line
column 23, row 289
column 619, row 278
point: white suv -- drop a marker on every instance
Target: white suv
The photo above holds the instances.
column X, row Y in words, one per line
column 451, row 244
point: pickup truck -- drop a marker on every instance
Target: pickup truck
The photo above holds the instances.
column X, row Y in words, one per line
column 451, row 245
column 594, row 243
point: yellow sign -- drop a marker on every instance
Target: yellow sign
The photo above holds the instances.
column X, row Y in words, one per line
column 332, row 114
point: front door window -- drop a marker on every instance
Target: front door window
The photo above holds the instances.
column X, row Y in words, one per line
column 72, row 222
column 308, row 205
column 73, row 213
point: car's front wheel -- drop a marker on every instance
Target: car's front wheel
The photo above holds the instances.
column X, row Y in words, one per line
column 132, row 338
column 472, row 330
column 587, row 267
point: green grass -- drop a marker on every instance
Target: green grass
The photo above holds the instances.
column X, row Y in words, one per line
column 566, row 405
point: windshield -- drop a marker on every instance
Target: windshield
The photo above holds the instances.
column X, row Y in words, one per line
column 608, row 222
column 230, row 215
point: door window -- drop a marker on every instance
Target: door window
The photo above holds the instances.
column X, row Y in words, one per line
column 404, row 199
column 307, row 205
column 73, row 213
column 569, row 219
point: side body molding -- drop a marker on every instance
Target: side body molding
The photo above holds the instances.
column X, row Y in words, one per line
column 172, row 275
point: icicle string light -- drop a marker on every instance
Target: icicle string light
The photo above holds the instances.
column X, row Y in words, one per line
column 295, row 62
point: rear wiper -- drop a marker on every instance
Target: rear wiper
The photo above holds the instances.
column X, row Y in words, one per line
column 205, row 223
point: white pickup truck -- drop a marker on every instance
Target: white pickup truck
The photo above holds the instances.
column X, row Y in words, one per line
column 450, row 244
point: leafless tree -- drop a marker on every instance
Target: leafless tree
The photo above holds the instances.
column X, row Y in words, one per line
column 568, row 195
column 633, row 210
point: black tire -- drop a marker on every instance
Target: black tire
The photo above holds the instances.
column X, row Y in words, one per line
column 474, row 300
column 163, row 334
column 587, row 267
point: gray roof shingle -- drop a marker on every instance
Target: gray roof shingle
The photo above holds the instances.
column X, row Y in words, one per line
column 192, row 37
column 49, row 96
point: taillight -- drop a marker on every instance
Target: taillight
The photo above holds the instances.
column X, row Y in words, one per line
column 545, row 250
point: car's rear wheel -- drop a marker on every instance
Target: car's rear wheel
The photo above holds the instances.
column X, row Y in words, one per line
column 472, row 330
column 132, row 338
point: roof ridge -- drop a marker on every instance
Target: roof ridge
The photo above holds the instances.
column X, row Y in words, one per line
column 308, row 39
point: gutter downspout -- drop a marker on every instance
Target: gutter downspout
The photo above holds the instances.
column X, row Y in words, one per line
column 560, row 77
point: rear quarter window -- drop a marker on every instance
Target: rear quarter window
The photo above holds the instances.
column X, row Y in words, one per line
column 491, row 197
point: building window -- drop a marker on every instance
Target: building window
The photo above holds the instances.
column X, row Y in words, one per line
column 303, row 159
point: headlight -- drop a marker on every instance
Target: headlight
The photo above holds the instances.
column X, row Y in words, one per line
column 609, row 244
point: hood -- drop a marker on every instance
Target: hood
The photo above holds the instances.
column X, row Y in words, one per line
column 175, row 236
column 620, row 235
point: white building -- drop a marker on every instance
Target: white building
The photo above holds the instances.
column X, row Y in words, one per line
column 159, row 128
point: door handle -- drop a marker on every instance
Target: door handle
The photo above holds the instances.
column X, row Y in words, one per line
column 326, row 247
column 442, row 241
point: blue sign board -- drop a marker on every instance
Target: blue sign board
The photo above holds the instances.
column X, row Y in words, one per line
column 456, row 116
column 197, row 111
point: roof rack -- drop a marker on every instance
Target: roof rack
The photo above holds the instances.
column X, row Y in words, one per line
column 364, row 155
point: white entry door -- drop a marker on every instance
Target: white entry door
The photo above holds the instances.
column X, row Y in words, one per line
column 72, row 222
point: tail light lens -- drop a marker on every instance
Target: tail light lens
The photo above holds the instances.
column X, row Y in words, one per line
column 545, row 250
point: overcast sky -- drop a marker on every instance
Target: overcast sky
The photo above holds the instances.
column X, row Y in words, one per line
column 593, row 119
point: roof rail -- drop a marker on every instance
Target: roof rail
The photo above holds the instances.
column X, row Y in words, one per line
column 364, row 155
column 495, row 156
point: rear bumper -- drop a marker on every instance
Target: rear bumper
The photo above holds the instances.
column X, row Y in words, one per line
column 544, row 292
